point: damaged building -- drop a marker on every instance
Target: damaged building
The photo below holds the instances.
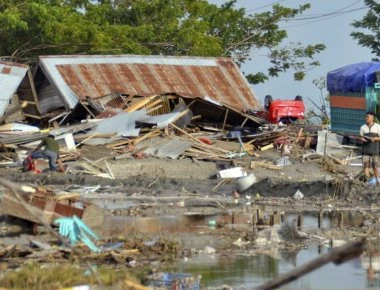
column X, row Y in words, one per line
column 213, row 88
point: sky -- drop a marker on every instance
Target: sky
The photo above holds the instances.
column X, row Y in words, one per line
column 333, row 31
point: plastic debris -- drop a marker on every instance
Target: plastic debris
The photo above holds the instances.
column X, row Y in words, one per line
column 234, row 172
column 83, row 287
column 212, row 223
column 112, row 246
column 284, row 161
column 372, row 181
column 76, row 230
column 298, row 195
column 246, row 182
column 180, row 281
column 209, row 250
column 240, row 243
column 132, row 263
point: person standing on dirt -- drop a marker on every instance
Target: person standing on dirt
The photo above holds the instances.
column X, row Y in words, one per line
column 371, row 146
column 50, row 152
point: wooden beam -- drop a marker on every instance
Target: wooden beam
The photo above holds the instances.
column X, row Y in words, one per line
column 225, row 118
column 32, row 116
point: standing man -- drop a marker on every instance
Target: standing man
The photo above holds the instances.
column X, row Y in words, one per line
column 371, row 146
column 50, row 151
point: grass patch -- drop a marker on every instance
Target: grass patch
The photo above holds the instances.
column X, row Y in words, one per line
column 57, row 276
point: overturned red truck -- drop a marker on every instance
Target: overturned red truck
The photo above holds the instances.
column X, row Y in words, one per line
column 284, row 111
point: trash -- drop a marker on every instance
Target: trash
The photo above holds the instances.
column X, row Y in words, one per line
column 209, row 250
column 246, row 182
column 70, row 143
column 240, row 243
column 83, row 287
column 298, row 195
column 235, row 195
column 29, row 165
column 234, row 172
column 268, row 236
column 212, row 223
column 112, row 246
column 372, row 181
column 132, row 263
column 284, row 161
column 180, row 281
column 267, row 147
column 75, row 230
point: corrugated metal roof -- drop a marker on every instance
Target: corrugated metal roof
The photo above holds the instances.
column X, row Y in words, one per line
column 11, row 75
column 220, row 79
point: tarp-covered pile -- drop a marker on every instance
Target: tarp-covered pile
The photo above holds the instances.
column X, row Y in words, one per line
column 353, row 78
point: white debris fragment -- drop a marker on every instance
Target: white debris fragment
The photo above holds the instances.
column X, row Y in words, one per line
column 298, row 195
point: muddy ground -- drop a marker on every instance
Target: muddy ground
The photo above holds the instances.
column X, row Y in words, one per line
column 180, row 200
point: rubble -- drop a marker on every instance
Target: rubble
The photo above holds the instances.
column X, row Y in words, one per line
column 144, row 166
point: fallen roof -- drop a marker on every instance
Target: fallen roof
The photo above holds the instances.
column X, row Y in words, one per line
column 218, row 79
column 11, row 76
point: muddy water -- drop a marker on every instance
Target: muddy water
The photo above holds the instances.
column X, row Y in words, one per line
column 242, row 271
column 247, row 272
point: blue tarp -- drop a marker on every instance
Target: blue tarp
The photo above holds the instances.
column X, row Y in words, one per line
column 353, row 78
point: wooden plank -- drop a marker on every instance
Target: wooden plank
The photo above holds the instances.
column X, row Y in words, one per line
column 11, row 206
column 265, row 165
column 140, row 104
column 267, row 147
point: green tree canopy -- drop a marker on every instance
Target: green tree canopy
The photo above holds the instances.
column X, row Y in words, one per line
column 371, row 24
column 169, row 27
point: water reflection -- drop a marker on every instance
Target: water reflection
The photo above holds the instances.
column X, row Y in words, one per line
column 247, row 272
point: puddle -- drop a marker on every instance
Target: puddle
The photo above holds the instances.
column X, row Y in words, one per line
column 247, row 272
column 241, row 222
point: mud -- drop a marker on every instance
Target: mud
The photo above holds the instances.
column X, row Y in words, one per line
column 174, row 199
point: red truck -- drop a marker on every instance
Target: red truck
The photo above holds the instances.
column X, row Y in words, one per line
column 284, row 111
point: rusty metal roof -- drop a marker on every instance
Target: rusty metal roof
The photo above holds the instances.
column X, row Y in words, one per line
column 218, row 79
column 11, row 75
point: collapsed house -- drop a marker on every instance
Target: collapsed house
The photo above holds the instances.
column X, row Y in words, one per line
column 17, row 86
column 215, row 88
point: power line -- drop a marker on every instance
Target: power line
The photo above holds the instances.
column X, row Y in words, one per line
column 264, row 6
column 326, row 18
column 307, row 17
column 338, row 12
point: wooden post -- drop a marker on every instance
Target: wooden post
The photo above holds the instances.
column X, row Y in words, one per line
column 254, row 224
column 320, row 217
column 258, row 213
column 340, row 219
column 300, row 220
column 271, row 220
column 225, row 118
column 245, row 121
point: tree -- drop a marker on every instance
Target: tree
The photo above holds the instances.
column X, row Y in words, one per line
column 320, row 112
column 371, row 23
column 168, row 27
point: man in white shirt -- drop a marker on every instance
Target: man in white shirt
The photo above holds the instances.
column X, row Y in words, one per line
column 371, row 146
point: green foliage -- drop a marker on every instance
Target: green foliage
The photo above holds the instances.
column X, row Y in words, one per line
column 168, row 27
column 371, row 24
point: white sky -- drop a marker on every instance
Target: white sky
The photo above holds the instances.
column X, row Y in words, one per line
column 333, row 31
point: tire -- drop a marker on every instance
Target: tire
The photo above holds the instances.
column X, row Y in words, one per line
column 267, row 101
column 298, row 98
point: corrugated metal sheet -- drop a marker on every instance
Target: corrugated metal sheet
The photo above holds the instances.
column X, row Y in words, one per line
column 217, row 78
column 11, row 75
column 165, row 147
